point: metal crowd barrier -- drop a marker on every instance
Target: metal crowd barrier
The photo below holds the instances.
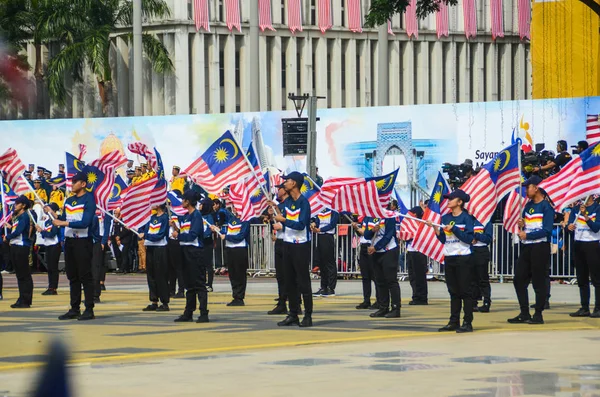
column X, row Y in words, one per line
column 504, row 254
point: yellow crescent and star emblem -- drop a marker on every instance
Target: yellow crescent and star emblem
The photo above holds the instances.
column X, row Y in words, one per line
column 221, row 154
column 6, row 187
column 78, row 165
column 437, row 196
column 234, row 223
column 596, row 150
column 118, row 192
column 451, row 224
column 74, row 203
column 384, row 184
column 531, row 210
column 498, row 162
column 293, row 207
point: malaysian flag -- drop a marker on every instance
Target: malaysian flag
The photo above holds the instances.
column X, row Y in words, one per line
column 265, row 20
column 330, row 188
column 135, row 209
column 295, row 15
column 174, row 198
column 248, row 199
column 582, row 174
column 253, row 159
column 524, row 18
column 354, row 16
column 232, row 15
column 276, row 179
column 592, row 129
column 410, row 18
column 142, row 149
column 159, row 193
column 311, row 191
column 5, row 219
column 441, row 20
column 362, row 199
column 201, row 15
column 470, row 18
column 120, row 187
column 325, row 20
column 222, row 164
column 513, row 209
column 497, row 11
column 425, row 240
column 495, row 180
column 390, row 30
column 385, row 187
column 82, row 151
column 9, row 195
column 73, row 166
column 100, row 175
column 13, row 167
column 408, row 227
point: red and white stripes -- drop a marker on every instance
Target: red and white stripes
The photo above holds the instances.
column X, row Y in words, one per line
column 265, row 20
column 410, row 18
column 233, row 16
column 390, row 30
column 354, row 16
column 107, row 164
column 496, row 8
column 592, row 129
column 294, row 14
column 362, row 199
column 441, row 20
column 136, row 209
column 201, row 15
column 524, row 18
column 14, row 168
column 324, row 14
column 470, row 18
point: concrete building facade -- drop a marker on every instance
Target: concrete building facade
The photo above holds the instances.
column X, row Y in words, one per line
column 214, row 73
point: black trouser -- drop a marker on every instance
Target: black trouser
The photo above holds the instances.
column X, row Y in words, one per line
column 52, row 258
column 157, row 272
column 279, row 272
column 19, row 255
column 416, row 263
column 117, row 252
column 6, row 255
column 207, row 252
column 296, row 271
column 78, row 263
column 532, row 266
column 587, row 264
column 98, row 268
column 127, row 257
column 367, row 274
column 326, row 250
column 480, row 285
column 194, row 276
column 175, row 266
column 238, row 265
column 385, row 267
column 459, row 276
column 219, row 255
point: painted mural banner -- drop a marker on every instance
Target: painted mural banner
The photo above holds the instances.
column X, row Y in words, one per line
column 351, row 141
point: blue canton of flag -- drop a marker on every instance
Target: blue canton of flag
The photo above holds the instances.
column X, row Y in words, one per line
column 94, row 177
column 9, row 195
column 253, row 159
column 437, row 203
column 72, row 166
column 311, row 190
column 507, row 161
column 58, row 180
column 401, row 207
column 385, row 186
column 119, row 187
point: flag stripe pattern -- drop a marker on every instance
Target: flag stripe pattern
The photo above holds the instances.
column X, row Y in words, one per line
column 513, row 210
column 470, row 18
column 135, row 209
column 354, row 16
column 441, row 20
column 362, row 199
column 233, row 15
column 408, row 227
column 496, row 8
column 592, row 129
column 12, row 165
column 265, row 19
column 426, row 241
column 325, row 15
column 524, row 18
column 201, row 15
column 142, row 149
column 410, row 18
column 556, row 186
column 82, row 150
column 107, row 164
column 390, row 30
column 242, row 194
column 295, row 15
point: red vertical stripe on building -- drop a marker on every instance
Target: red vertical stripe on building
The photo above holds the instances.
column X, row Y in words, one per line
column 354, row 15
column 233, row 16
column 324, row 13
column 441, row 20
column 390, row 31
column 470, row 18
column 295, row 15
column 265, row 20
column 524, row 18
column 497, row 10
column 410, row 18
column 201, row 15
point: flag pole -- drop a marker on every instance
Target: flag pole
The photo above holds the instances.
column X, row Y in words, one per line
column 418, row 220
column 262, row 188
column 34, row 193
column 4, row 209
column 519, row 177
column 118, row 220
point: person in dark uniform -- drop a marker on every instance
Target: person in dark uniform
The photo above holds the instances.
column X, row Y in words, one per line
column 295, row 217
column 176, row 282
column 457, row 235
column 561, row 159
column 99, row 234
column 365, row 262
column 586, row 226
column 480, row 257
column 325, row 226
column 154, row 234
column 20, row 244
column 281, row 307
column 221, row 218
column 191, row 230
column 125, row 239
column 52, row 247
column 416, row 264
column 385, row 252
column 208, row 217
column 534, row 260
column 77, row 218
column 236, row 234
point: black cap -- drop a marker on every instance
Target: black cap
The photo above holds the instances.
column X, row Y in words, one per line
column 459, row 194
column 296, row 177
column 23, row 200
column 53, row 206
column 80, row 176
column 418, row 211
column 533, row 180
column 583, row 145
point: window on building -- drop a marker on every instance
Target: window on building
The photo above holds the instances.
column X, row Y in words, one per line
column 283, row 68
column 313, row 12
column 343, row 9
column 221, row 10
column 222, row 68
column 357, row 68
column 328, row 69
column 314, row 71
column 282, row 4
column 298, row 72
column 237, row 68
column 343, row 62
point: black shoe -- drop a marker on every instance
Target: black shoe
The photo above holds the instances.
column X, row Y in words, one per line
column 520, row 319
column 475, row 308
column 50, row 291
column 320, row 292
column 184, row 318
column 364, row 305
column 70, row 315
column 393, row 313
column 581, row 313
column 380, row 313
column 289, row 320
column 88, row 314
column 97, row 300
column 466, row 327
column 163, row 308
column 595, row 314
column 150, row 308
column 236, row 302
column 171, row 294
column 536, row 319
column 328, row 292
column 203, row 318
column 449, row 327
column 375, row 306
column 417, row 303
column 279, row 309
column 102, row 287
column 179, row 295
column 20, row 305
column 306, row 322
column 485, row 308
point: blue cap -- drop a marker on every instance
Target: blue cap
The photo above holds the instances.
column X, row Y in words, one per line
column 533, row 180
column 459, row 194
column 80, row 176
column 296, row 177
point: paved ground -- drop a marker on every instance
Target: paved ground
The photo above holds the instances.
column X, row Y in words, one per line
column 129, row 352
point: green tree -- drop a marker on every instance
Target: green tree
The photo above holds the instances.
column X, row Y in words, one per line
column 383, row 10
column 86, row 28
